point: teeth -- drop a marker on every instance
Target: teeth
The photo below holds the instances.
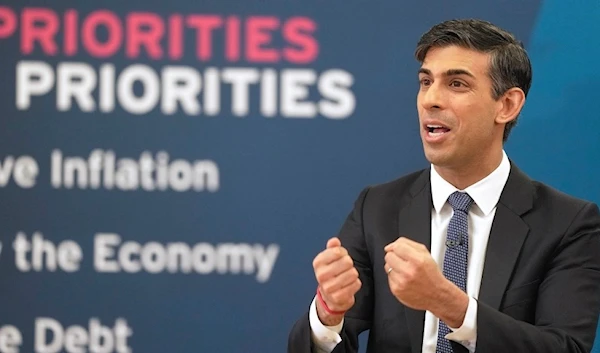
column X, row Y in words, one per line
column 435, row 126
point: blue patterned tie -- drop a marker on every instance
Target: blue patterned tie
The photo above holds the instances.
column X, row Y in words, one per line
column 457, row 251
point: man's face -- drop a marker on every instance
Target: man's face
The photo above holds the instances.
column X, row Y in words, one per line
column 456, row 109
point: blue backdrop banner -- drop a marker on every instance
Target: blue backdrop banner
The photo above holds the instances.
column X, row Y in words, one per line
column 169, row 170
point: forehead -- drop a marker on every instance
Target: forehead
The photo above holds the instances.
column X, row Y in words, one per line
column 441, row 59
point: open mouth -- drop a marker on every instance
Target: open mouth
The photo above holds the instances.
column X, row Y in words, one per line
column 436, row 129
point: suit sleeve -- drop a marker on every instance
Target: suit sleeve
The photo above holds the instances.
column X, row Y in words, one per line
column 568, row 300
column 358, row 318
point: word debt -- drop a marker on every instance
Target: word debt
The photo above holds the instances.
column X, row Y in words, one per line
column 259, row 39
column 140, row 89
column 102, row 169
column 52, row 337
column 112, row 254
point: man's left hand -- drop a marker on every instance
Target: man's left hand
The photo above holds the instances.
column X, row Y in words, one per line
column 417, row 282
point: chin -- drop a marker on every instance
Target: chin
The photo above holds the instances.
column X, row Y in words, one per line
column 439, row 158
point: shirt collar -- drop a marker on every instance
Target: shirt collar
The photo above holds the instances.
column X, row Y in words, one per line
column 485, row 193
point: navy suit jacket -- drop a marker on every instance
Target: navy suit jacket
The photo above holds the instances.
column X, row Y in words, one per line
column 540, row 289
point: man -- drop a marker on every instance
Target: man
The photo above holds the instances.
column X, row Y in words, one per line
column 470, row 254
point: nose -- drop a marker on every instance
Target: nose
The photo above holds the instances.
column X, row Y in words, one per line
column 432, row 97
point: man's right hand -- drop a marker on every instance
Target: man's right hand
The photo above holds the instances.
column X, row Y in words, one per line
column 338, row 281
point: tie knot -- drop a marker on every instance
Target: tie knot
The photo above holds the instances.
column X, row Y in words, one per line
column 460, row 201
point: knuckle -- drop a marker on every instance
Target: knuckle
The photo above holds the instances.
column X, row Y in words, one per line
column 342, row 264
column 328, row 255
column 410, row 274
column 335, row 297
column 348, row 261
column 394, row 288
column 402, row 284
column 350, row 292
column 320, row 275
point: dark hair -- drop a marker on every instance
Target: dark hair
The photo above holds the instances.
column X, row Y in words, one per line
column 509, row 64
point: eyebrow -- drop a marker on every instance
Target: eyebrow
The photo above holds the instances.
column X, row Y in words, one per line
column 450, row 72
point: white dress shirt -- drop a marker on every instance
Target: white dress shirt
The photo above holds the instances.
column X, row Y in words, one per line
column 485, row 194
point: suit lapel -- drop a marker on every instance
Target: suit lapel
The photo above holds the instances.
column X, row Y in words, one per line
column 507, row 236
column 414, row 222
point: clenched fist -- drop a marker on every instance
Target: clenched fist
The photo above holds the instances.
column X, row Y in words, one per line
column 417, row 282
column 338, row 281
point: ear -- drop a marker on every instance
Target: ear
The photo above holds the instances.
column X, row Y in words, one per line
column 511, row 104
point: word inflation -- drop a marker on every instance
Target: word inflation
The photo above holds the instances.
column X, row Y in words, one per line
column 149, row 173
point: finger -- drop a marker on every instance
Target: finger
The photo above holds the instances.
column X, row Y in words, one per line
column 329, row 255
column 395, row 262
column 411, row 243
column 340, row 281
column 333, row 242
column 392, row 245
column 406, row 242
column 346, row 293
column 403, row 251
column 389, row 247
column 407, row 251
column 326, row 272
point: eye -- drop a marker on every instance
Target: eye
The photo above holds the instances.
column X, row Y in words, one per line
column 457, row 84
column 425, row 82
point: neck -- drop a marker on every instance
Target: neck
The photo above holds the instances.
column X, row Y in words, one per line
column 470, row 173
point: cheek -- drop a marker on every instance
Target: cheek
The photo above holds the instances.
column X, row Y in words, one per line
column 421, row 112
column 476, row 126
column 419, row 105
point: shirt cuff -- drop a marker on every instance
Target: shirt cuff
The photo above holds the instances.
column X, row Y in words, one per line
column 466, row 335
column 324, row 337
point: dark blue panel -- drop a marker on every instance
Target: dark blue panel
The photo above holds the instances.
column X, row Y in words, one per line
column 282, row 181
